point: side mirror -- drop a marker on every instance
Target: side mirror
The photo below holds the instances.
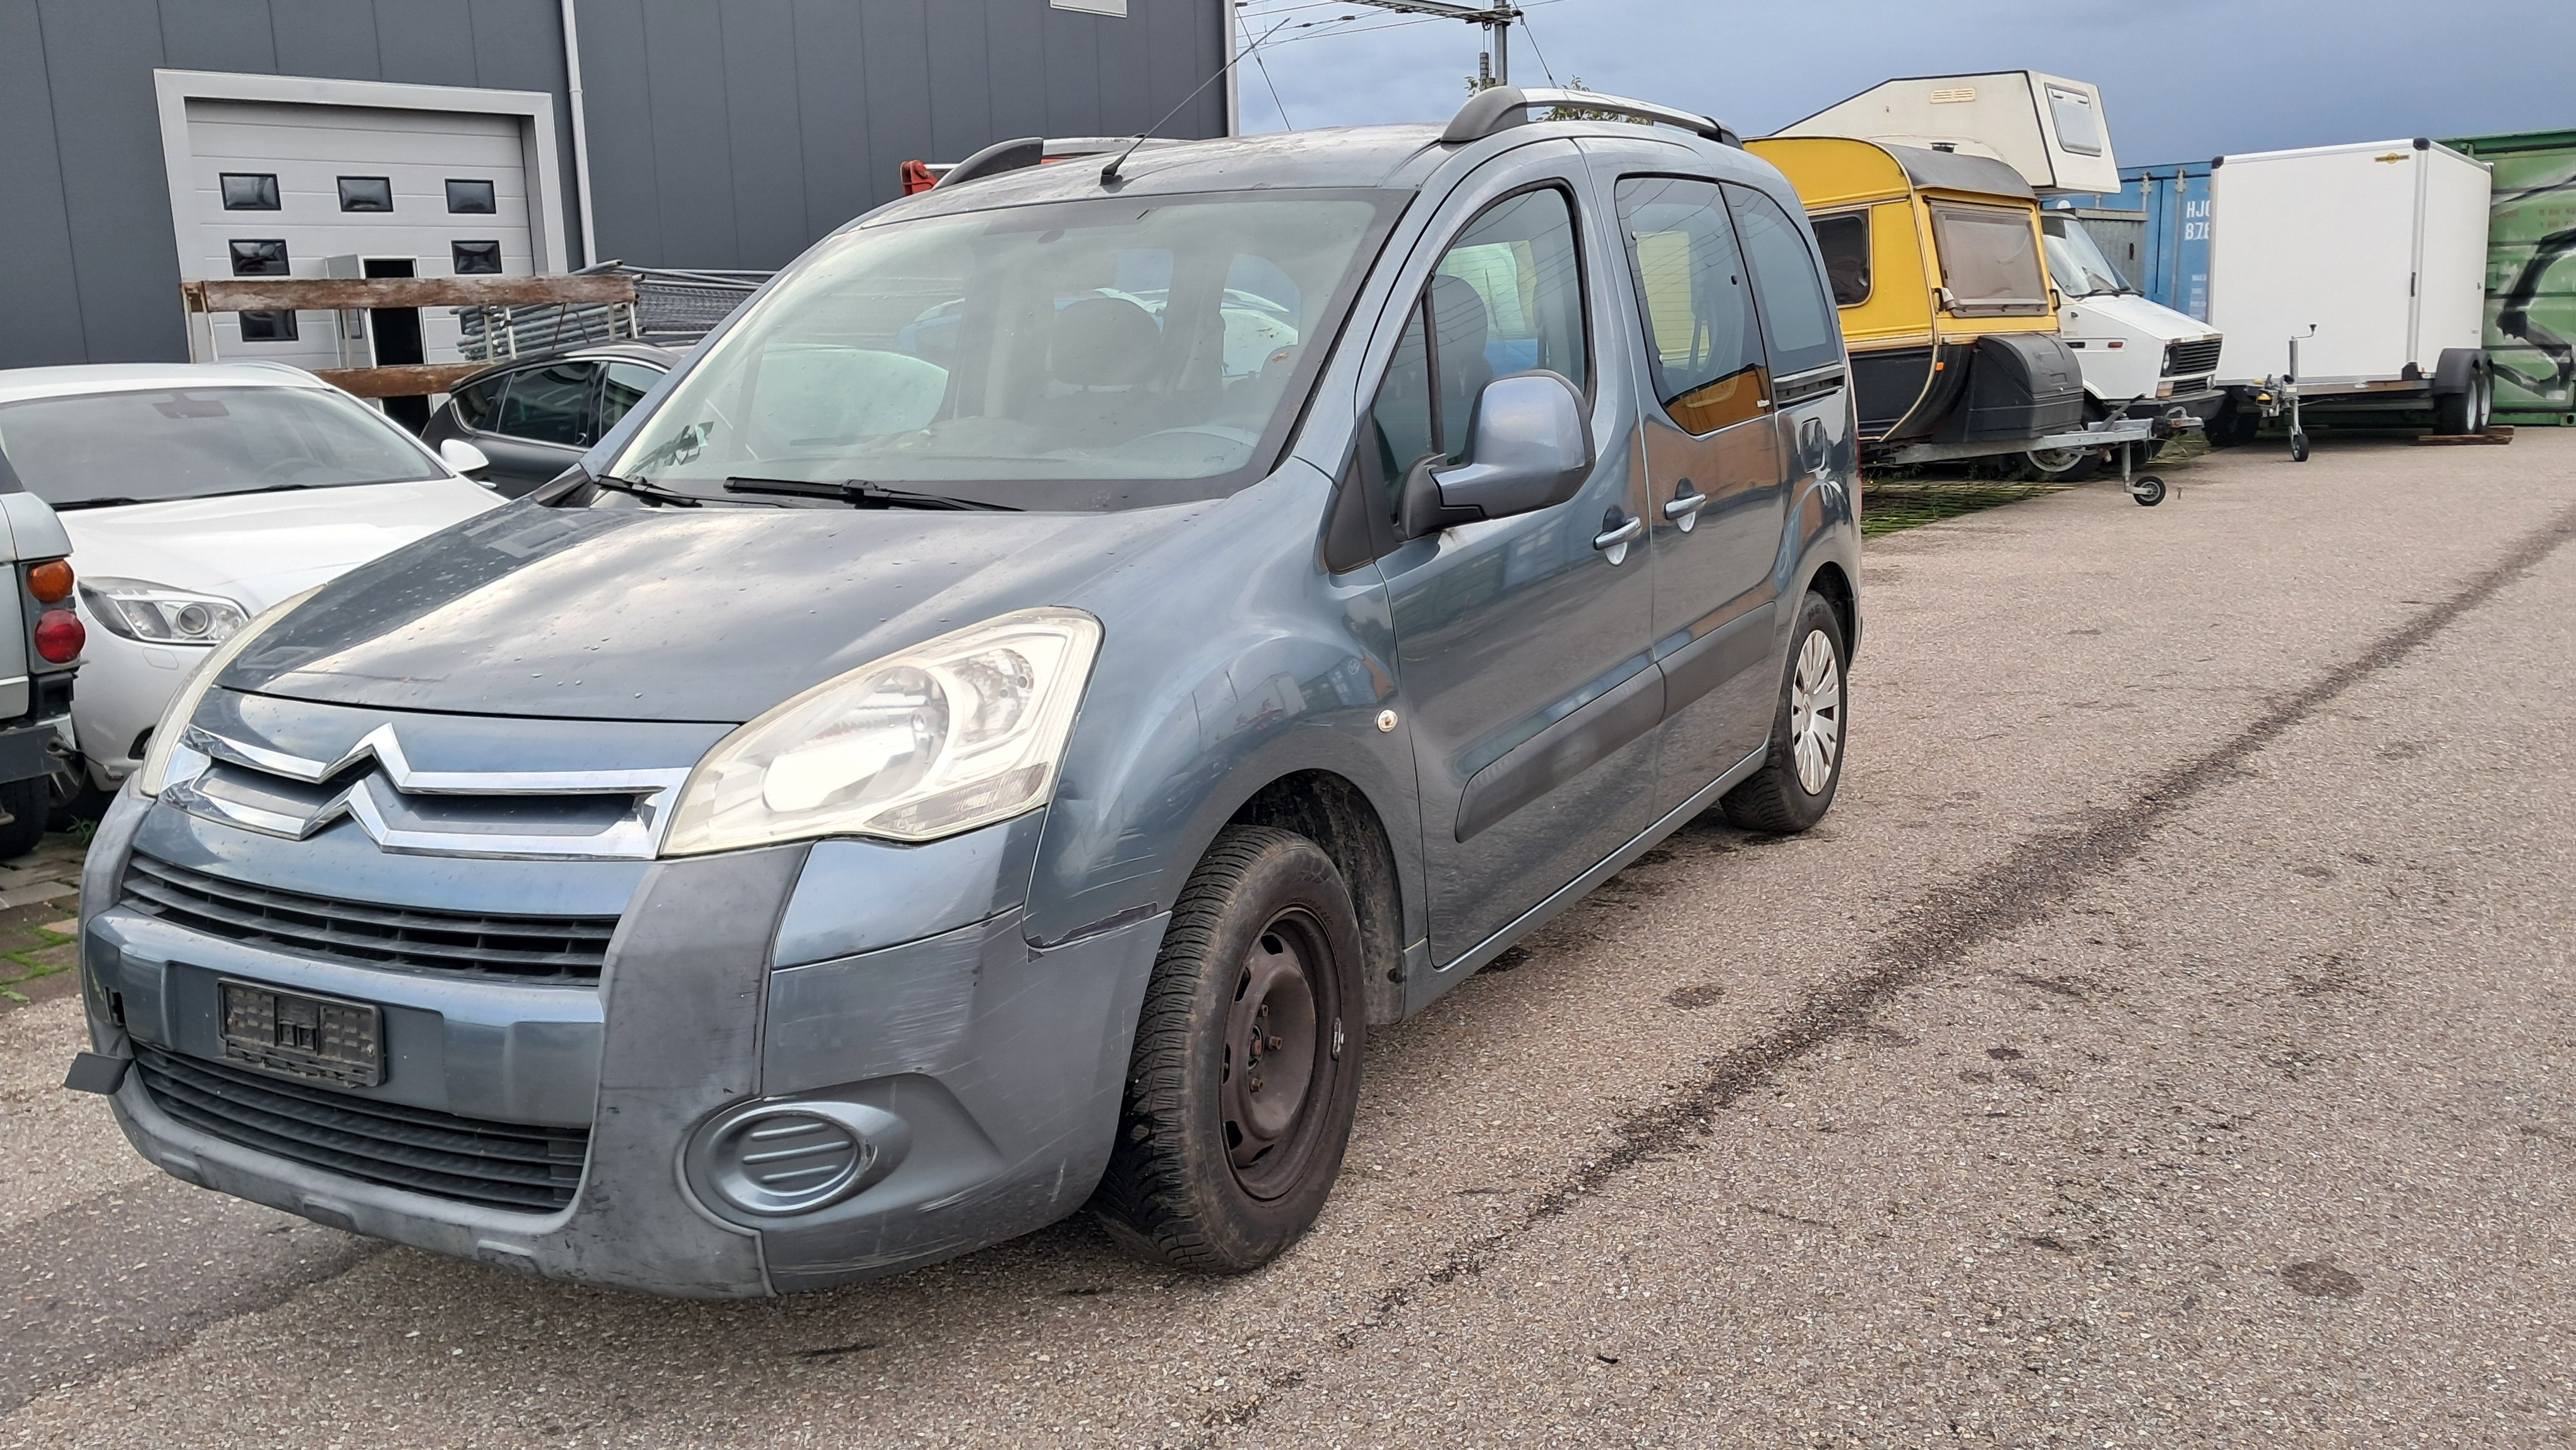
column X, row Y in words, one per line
column 1532, row 450
column 464, row 457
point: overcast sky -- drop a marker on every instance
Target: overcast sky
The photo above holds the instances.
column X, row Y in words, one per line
column 2181, row 79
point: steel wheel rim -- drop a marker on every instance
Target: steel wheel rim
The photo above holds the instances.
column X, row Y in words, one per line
column 1278, row 1056
column 1816, row 712
column 2056, row 460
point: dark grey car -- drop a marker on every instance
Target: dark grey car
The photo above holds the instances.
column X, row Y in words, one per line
column 535, row 417
column 997, row 728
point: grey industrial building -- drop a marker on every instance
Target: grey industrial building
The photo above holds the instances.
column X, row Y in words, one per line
column 147, row 141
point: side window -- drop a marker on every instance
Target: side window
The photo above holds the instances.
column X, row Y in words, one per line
column 1844, row 240
column 1702, row 342
column 474, row 401
column 1507, row 297
column 1794, row 314
column 545, row 404
column 619, row 390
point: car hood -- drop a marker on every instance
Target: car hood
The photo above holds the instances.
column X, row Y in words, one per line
column 2139, row 317
column 259, row 548
column 670, row 614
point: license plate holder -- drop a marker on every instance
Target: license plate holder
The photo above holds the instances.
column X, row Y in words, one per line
column 327, row 1039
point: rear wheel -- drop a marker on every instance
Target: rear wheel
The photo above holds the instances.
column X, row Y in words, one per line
column 1796, row 784
column 28, row 802
column 1246, row 1067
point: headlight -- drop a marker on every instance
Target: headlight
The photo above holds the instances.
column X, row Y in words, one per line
column 959, row 732
column 165, row 736
column 159, row 614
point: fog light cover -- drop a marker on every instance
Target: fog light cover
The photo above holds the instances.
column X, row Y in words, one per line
column 788, row 1157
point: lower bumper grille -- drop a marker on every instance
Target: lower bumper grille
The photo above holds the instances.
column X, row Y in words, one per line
column 495, row 1165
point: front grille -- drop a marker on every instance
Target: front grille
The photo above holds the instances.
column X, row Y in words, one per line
column 541, row 948
column 495, row 1165
column 2199, row 356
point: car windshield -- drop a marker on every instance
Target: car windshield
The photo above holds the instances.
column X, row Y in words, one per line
column 173, row 443
column 1086, row 354
column 2075, row 261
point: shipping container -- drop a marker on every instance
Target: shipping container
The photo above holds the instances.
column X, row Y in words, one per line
column 2160, row 216
column 2531, row 273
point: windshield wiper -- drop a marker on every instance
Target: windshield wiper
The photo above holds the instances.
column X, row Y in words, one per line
column 97, row 503
column 859, row 493
column 649, row 492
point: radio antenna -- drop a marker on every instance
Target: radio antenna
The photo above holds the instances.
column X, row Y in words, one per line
column 1109, row 173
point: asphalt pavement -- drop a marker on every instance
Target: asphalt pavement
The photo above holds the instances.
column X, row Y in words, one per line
column 2166, row 1041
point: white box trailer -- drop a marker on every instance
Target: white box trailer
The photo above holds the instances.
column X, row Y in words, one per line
column 2351, row 279
column 2048, row 128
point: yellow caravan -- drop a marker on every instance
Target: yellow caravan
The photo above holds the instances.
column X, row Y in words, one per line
column 1946, row 306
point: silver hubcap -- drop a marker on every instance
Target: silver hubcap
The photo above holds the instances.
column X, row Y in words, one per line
column 1816, row 712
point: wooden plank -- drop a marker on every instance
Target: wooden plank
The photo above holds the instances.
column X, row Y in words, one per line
column 410, row 380
column 2499, row 434
column 323, row 294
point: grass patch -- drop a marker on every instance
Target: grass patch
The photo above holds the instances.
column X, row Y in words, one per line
column 27, row 967
column 1889, row 507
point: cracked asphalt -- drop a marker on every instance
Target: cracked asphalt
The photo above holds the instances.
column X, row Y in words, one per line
column 2166, row 1040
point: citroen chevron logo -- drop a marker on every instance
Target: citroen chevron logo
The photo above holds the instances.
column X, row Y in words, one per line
column 375, row 802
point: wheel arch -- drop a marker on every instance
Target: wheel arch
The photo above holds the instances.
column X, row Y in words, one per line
column 1333, row 812
column 1836, row 586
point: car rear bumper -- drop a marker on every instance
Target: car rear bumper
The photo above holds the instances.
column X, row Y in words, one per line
column 989, row 1071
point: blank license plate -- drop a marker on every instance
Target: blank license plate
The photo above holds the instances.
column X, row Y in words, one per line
column 315, row 1037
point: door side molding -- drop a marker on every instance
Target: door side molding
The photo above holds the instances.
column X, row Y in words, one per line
column 1562, row 751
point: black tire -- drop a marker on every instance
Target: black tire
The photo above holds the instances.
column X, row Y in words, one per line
column 2147, row 489
column 73, row 796
column 2087, row 462
column 28, row 802
column 2232, row 429
column 2299, row 447
column 1259, row 975
column 2463, row 413
column 1776, row 798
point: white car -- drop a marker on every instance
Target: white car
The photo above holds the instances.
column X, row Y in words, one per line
column 199, row 494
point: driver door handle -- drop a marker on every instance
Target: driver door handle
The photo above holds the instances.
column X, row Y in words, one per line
column 1612, row 538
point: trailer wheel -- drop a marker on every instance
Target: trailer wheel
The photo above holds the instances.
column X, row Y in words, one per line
column 2147, row 489
column 2467, row 411
column 2299, row 447
column 2061, row 465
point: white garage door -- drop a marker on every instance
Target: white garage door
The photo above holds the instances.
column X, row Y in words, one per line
column 278, row 189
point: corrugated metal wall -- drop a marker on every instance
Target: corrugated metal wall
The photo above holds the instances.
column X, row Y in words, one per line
column 88, row 269
column 733, row 136
column 723, row 133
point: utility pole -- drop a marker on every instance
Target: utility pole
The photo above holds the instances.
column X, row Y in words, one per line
column 1496, row 19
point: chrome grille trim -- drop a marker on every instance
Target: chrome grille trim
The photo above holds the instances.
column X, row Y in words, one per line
column 635, row 836
column 524, row 1168
column 522, row 948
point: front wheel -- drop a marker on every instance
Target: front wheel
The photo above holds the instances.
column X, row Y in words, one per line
column 1246, row 1069
column 1796, row 784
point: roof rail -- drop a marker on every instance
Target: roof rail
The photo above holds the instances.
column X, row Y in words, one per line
column 1021, row 154
column 1499, row 108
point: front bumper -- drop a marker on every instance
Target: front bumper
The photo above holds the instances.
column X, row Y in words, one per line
column 1004, row 1063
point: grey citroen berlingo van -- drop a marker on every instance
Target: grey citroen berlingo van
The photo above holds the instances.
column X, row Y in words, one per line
column 999, row 724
